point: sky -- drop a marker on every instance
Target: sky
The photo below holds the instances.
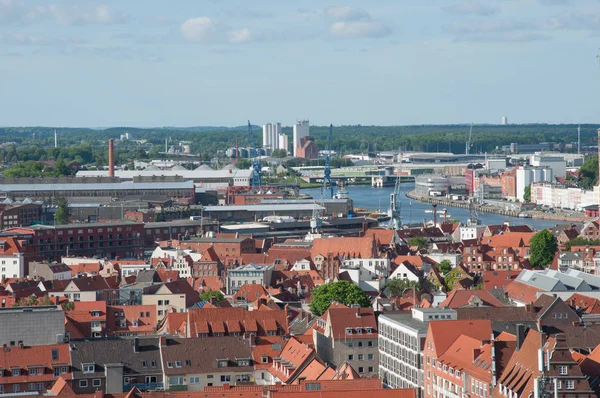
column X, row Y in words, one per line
column 89, row 63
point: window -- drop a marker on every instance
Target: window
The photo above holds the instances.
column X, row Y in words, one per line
column 348, row 331
column 370, row 369
column 223, row 363
column 369, row 344
column 360, row 343
column 56, row 372
column 361, row 357
column 88, row 368
column 54, row 354
column 195, row 380
column 176, row 381
column 361, row 369
column 83, row 383
column 144, row 364
column 563, row 370
column 350, row 357
column 350, row 344
column 225, row 378
column 313, row 386
column 370, row 357
column 569, row 384
column 188, row 362
column 177, row 364
column 151, row 379
column 96, row 383
column 16, row 372
column 265, row 359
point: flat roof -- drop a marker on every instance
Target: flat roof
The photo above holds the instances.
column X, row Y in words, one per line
column 91, row 186
column 407, row 321
column 272, row 207
column 252, row 225
column 192, row 174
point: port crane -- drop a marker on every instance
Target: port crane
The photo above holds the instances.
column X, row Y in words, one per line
column 327, row 168
column 395, row 207
column 469, row 144
column 256, row 166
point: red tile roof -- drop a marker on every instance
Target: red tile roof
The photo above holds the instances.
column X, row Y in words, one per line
column 249, row 293
column 445, row 333
column 583, row 303
column 464, row 298
column 292, row 360
column 364, row 247
column 260, row 321
column 521, row 292
column 137, row 319
column 25, row 358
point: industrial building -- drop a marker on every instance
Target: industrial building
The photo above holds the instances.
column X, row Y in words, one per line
column 21, row 188
column 271, row 133
column 300, row 130
column 200, row 176
column 244, row 213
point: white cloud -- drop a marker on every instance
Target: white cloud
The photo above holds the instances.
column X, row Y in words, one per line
column 466, row 7
column 100, row 15
column 353, row 22
column 198, row 29
column 371, row 28
column 347, row 14
column 240, row 36
column 17, row 12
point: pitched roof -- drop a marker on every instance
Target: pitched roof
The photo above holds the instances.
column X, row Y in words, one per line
column 498, row 279
column 464, row 298
column 201, row 355
column 509, row 239
column 363, row 247
column 583, row 303
column 359, row 319
column 521, row 292
column 444, row 333
column 203, row 320
column 130, row 319
column 249, row 293
column 296, row 355
column 27, row 357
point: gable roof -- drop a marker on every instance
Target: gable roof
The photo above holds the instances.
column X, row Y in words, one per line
column 363, row 247
column 444, row 333
column 464, row 298
column 207, row 320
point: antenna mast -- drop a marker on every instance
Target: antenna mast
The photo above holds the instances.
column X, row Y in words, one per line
column 578, row 138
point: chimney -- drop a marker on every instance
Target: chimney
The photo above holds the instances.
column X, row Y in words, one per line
column 56, row 300
column 111, row 158
column 520, row 335
column 599, row 148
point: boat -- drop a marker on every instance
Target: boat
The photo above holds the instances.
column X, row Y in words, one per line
column 342, row 193
column 524, row 215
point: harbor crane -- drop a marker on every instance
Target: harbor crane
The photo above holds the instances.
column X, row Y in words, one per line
column 469, row 144
column 256, row 166
column 327, row 168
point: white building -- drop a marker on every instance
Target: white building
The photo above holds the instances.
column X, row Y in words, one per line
column 370, row 274
column 12, row 266
column 467, row 232
column 271, row 132
column 133, row 269
column 562, row 197
column 504, row 121
column 529, row 175
column 403, row 271
column 401, row 345
column 556, row 162
column 301, row 129
column 283, row 142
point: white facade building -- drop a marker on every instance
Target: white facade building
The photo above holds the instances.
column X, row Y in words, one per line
column 301, row 129
column 133, row 269
column 271, row 132
column 370, row 274
column 504, row 121
column 554, row 161
column 529, row 175
column 562, row 197
column 283, row 142
column 467, row 232
column 401, row 345
column 12, row 266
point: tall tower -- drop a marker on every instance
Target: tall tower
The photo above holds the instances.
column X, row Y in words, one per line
column 111, row 158
column 301, row 130
column 599, row 151
column 55, row 139
column 578, row 139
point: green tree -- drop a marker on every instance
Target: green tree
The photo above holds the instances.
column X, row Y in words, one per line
column 68, row 306
column 579, row 241
column 279, row 153
column 397, row 286
column 343, row 292
column 527, row 193
column 418, row 241
column 60, row 168
column 444, row 267
column 209, row 294
column 243, row 164
column 589, row 172
column 542, row 248
column 63, row 212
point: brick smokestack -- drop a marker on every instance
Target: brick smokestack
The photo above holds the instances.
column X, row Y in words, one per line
column 111, row 158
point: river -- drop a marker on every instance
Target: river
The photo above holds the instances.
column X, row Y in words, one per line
column 413, row 211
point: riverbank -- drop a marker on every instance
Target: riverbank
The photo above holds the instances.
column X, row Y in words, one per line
column 496, row 210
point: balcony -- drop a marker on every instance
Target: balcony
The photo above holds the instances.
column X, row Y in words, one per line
column 444, row 392
column 143, row 386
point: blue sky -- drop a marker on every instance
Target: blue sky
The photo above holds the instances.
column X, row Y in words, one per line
column 221, row 62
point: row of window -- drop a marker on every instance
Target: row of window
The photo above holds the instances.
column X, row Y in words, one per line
column 361, row 357
column 16, row 388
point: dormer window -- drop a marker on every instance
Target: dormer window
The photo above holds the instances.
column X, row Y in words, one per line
column 358, row 331
column 177, row 364
column 169, row 364
column 243, row 362
column 265, row 359
column 222, row 363
column 95, row 313
column 369, row 330
column 348, row 330
column 88, row 368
